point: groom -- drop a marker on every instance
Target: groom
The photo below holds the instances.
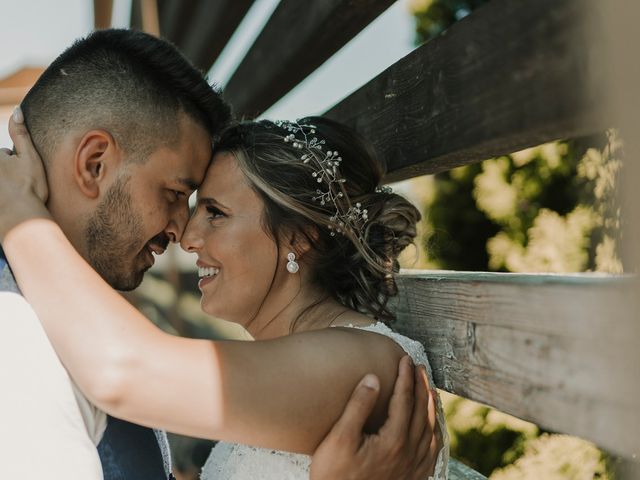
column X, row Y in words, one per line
column 123, row 124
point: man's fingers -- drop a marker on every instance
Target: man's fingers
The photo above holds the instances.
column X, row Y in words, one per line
column 426, row 467
column 430, row 444
column 401, row 403
column 421, row 402
column 358, row 409
column 432, row 416
column 19, row 133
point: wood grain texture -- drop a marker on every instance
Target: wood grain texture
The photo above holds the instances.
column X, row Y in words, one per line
column 554, row 350
column 509, row 76
column 296, row 40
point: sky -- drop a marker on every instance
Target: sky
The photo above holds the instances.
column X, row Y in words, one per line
column 34, row 32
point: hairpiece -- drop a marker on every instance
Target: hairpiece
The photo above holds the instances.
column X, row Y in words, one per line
column 326, row 171
column 383, row 189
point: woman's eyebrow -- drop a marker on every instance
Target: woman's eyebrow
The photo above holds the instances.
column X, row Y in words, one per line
column 211, row 201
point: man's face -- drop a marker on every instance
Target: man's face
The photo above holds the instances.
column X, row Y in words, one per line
column 146, row 207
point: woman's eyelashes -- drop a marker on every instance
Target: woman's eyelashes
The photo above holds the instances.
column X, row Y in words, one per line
column 214, row 213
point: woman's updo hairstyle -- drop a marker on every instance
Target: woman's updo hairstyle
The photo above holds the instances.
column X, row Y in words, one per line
column 357, row 266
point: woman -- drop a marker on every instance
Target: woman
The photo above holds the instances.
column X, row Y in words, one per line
column 298, row 243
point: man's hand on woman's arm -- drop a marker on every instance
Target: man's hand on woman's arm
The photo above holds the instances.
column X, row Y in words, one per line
column 407, row 445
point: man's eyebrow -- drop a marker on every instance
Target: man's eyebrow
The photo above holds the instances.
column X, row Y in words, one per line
column 187, row 182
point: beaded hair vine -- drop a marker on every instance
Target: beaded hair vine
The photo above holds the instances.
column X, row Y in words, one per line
column 347, row 216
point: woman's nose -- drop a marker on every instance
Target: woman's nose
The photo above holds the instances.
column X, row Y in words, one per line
column 191, row 240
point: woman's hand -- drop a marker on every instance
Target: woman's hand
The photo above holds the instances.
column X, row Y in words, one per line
column 23, row 183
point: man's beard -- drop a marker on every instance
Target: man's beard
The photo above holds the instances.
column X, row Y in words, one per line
column 113, row 238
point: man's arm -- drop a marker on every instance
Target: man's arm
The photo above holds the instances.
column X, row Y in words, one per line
column 42, row 432
column 406, row 447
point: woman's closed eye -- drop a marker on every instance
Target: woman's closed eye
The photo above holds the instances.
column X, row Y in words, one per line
column 214, row 213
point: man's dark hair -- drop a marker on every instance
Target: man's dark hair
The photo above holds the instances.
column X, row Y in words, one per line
column 129, row 83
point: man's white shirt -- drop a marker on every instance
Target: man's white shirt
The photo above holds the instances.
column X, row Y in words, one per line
column 48, row 429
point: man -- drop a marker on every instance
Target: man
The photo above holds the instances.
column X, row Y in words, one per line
column 124, row 124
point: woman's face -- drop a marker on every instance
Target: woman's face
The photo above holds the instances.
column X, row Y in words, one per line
column 237, row 260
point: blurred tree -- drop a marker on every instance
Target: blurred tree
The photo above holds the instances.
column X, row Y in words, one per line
column 435, row 16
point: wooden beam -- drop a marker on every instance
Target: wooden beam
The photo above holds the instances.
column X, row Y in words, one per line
column 145, row 16
column 150, row 18
column 14, row 87
column 210, row 30
column 136, row 15
column 297, row 39
column 102, row 13
column 509, row 76
column 558, row 350
column 175, row 18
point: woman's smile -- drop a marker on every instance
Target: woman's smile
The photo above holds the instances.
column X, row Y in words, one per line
column 207, row 275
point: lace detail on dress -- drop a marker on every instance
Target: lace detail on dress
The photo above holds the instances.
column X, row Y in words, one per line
column 230, row 461
column 417, row 353
column 165, row 451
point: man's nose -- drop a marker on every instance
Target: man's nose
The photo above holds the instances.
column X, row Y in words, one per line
column 177, row 224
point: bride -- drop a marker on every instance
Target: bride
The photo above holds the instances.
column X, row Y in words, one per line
column 298, row 243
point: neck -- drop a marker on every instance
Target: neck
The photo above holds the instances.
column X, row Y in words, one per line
column 294, row 310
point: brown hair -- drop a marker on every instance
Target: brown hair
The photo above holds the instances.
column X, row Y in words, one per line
column 128, row 82
column 355, row 268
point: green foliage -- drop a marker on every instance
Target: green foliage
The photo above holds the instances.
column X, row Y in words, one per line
column 452, row 216
column 483, row 438
column 557, row 457
column 435, row 16
column 550, row 208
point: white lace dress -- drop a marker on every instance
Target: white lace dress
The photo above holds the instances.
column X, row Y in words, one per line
column 231, row 461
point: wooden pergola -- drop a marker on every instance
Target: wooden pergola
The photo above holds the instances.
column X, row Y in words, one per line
column 558, row 350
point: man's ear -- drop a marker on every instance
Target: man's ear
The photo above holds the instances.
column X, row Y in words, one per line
column 96, row 156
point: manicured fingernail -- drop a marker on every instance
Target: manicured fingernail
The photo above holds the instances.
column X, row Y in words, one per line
column 18, row 117
column 371, row 381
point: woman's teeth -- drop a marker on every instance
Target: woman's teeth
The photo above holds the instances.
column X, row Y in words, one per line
column 204, row 272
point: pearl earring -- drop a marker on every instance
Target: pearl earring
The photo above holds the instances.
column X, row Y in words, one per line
column 292, row 265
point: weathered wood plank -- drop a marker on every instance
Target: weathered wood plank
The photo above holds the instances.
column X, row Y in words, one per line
column 509, row 76
column 554, row 350
column 211, row 27
column 297, row 39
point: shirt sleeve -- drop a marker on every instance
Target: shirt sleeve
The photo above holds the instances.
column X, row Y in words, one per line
column 42, row 430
